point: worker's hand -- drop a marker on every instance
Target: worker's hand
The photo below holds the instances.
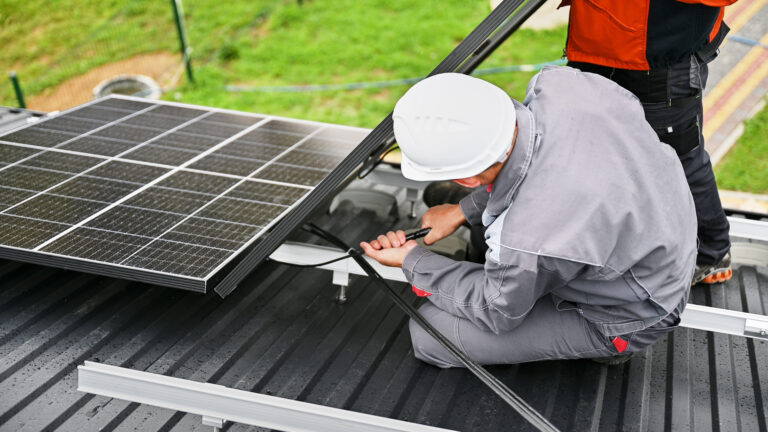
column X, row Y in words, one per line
column 389, row 249
column 443, row 219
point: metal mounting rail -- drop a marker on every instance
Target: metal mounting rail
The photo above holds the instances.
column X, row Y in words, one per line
column 746, row 228
column 725, row 321
column 218, row 404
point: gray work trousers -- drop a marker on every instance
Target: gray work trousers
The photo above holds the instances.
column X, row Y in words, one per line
column 544, row 334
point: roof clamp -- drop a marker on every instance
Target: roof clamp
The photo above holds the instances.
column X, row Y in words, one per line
column 215, row 422
column 412, row 195
column 756, row 328
column 341, row 278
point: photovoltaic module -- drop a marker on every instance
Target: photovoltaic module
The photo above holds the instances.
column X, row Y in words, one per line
column 156, row 191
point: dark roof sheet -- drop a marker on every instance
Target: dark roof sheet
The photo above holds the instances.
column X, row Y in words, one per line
column 282, row 334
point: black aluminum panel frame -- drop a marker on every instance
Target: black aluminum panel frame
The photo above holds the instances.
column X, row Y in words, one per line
column 476, row 47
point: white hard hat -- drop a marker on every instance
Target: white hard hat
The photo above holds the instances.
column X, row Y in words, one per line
column 453, row 126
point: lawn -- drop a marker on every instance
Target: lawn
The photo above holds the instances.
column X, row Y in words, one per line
column 745, row 167
column 47, row 42
column 262, row 43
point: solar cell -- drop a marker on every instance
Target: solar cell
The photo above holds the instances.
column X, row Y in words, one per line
column 54, row 208
column 228, row 164
column 292, row 174
column 156, row 191
column 98, row 146
column 196, row 182
column 10, row 154
column 39, row 137
column 9, row 197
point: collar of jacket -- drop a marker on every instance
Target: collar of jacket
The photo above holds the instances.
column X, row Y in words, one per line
column 512, row 174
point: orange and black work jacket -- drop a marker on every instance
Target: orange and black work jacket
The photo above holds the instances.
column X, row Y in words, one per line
column 643, row 34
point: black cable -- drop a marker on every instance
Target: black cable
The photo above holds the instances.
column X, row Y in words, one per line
column 498, row 387
column 377, row 157
column 350, row 254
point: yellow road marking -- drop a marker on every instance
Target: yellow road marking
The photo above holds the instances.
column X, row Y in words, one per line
column 737, row 71
column 749, row 11
column 736, row 99
column 734, row 74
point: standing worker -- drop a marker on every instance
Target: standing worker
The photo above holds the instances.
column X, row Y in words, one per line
column 659, row 50
column 590, row 225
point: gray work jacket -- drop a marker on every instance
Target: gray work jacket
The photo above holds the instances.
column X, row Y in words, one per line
column 590, row 208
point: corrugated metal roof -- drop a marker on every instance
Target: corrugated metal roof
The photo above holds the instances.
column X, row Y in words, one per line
column 282, row 334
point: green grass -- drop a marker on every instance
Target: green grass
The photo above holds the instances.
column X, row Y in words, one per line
column 262, row 43
column 341, row 41
column 46, row 42
column 745, row 167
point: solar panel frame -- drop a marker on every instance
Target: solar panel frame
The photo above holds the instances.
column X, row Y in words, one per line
column 254, row 134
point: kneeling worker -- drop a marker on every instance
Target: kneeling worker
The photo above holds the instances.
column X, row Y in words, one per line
column 589, row 223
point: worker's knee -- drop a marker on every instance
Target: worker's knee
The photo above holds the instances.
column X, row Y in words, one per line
column 425, row 347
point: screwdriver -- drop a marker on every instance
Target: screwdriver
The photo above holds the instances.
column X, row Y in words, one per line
column 417, row 234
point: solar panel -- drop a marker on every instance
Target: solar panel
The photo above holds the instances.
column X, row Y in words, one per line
column 156, row 191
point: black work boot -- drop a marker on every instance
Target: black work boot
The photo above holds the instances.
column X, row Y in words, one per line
column 444, row 192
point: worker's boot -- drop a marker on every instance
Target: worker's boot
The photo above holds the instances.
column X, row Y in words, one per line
column 444, row 192
column 713, row 273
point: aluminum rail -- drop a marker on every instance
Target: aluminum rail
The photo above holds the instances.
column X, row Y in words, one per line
column 746, row 228
column 725, row 321
column 218, row 404
column 694, row 316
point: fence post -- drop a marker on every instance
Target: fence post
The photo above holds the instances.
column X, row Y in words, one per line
column 17, row 89
column 185, row 50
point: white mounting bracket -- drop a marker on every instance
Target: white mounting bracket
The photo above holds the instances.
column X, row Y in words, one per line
column 341, row 278
column 412, row 195
column 757, row 328
column 215, row 422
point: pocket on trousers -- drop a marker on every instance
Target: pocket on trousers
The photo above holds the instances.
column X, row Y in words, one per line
column 683, row 141
column 650, row 335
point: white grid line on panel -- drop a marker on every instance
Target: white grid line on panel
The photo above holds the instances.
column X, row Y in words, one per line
column 157, row 180
column 100, row 164
column 231, row 188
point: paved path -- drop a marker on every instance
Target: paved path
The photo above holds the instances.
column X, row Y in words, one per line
column 738, row 79
column 737, row 88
